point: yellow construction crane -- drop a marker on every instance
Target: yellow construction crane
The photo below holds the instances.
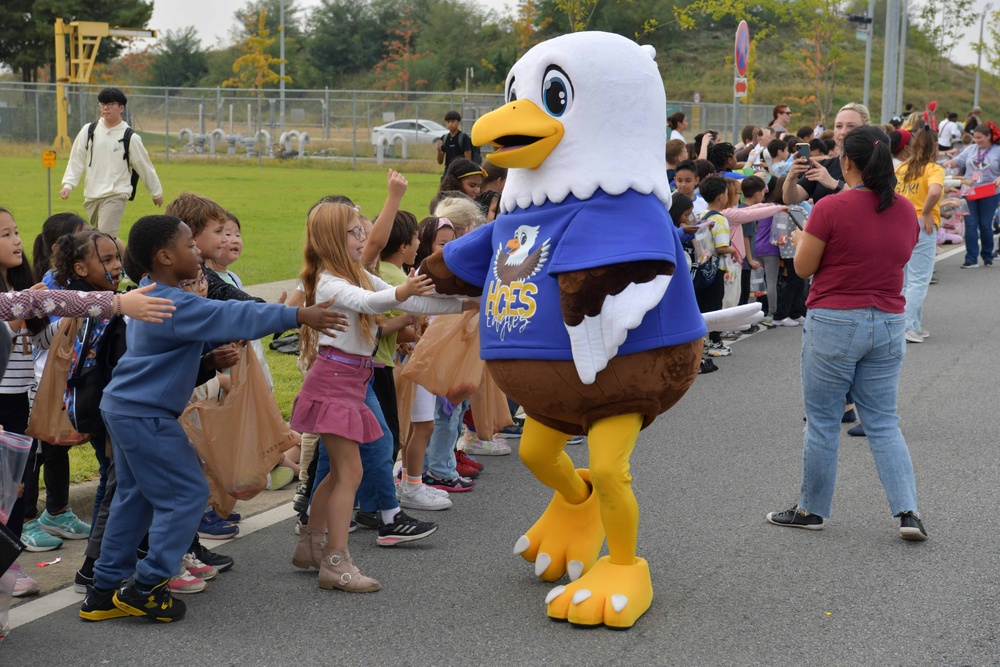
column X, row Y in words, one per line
column 84, row 40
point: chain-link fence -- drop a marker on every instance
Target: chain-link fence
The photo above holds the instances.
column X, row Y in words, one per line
column 328, row 123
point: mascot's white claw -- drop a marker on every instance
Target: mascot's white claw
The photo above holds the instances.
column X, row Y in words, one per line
column 542, row 563
column 581, row 595
column 618, row 602
column 574, row 568
column 521, row 545
column 738, row 318
column 554, row 593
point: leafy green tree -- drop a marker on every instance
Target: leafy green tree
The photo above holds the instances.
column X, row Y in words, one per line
column 349, row 36
column 180, row 60
column 27, row 28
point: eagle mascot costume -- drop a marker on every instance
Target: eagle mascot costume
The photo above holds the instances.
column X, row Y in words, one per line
column 588, row 316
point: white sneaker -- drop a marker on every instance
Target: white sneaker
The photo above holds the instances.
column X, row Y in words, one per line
column 418, row 498
column 495, row 447
column 912, row 336
column 787, row 322
column 800, row 319
column 924, row 333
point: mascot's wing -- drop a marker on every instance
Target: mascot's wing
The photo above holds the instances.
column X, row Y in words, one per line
column 734, row 319
column 601, row 305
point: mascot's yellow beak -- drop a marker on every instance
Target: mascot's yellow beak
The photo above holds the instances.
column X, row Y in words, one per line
column 522, row 135
column 513, row 246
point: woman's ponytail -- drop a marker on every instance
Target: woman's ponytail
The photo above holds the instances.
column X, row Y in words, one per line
column 869, row 148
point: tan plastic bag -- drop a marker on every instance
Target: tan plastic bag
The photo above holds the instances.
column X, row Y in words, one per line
column 48, row 420
column 446, row 360
column 405, row 391
column 490, row 409
column 241, row 436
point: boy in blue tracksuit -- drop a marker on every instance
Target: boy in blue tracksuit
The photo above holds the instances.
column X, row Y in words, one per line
column 161, row 487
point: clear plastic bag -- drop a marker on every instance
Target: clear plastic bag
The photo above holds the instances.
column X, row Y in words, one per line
column 781, row 234
column 704, row 246
column 758, row 284
column 14, row 450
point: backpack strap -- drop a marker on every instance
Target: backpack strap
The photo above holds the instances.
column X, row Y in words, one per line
column 127, row 141
column 90, row 141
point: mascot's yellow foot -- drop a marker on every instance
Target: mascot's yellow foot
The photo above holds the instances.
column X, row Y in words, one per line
column 609, row 594
column 566, row 538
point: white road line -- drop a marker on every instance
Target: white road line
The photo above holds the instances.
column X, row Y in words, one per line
column 67, row 597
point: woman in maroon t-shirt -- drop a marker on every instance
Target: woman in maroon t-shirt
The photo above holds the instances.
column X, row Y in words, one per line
column 855, row 246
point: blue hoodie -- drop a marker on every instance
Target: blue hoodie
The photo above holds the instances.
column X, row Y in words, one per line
column 157, row 374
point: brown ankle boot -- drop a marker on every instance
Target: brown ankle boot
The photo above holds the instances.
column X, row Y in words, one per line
column 309, row 549
column 339, row 571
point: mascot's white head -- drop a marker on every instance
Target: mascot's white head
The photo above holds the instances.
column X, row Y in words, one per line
column 584, row 111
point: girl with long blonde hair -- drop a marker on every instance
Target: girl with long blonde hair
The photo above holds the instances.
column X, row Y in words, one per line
column 332, row 399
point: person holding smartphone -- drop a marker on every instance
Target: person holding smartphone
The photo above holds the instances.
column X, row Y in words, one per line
column 814, row 179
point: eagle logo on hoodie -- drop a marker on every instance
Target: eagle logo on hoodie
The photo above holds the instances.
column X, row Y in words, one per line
column 510, row 302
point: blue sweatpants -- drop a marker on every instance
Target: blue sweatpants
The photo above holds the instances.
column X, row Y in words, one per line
column 162, row 489
column 377, row 490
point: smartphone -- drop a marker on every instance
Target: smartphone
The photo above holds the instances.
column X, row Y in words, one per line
column 802, row 150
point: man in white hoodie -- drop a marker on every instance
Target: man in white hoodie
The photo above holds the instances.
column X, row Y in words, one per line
column 109, row 174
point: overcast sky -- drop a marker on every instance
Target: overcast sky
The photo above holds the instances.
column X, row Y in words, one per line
column 214, row 19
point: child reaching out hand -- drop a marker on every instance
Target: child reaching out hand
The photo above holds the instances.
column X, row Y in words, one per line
column 161, row 487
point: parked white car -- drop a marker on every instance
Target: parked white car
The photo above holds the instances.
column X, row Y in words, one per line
column 408, row 131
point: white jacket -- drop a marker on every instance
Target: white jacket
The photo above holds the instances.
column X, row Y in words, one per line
column 107, row 172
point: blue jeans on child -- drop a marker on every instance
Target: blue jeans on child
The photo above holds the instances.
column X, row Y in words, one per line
column 377, row 490
column 860, row 351
column 162, row 489
column 979, row 227
column 917, row 277
column 439, row 461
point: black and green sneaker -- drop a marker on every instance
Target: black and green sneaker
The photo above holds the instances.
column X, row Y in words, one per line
column 156, row 604
column 99, row 605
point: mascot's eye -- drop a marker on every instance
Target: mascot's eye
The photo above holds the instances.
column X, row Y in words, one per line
column 524, row 239
column 557, row 91
column 511, row 94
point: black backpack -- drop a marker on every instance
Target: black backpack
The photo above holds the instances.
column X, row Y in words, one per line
column 88, row 383
column 126, row 141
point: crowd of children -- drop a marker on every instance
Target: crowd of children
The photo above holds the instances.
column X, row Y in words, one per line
column 359, row 463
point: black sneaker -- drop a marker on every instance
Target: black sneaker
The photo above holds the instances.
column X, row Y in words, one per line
column 910, row 527
column 353, row 527
column 856, row 431
column 795, row 518
column 300, row 501
column 707, row 366
column 81, row 581
column 969, row 265
column 403, row 529
column 220, row 562
column 987, row 264
column 99, row 605
column 849, row 417
column 368, row 519
column 156, row 604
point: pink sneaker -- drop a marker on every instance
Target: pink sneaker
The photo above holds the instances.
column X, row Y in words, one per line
column 184, row 583
column 24, row 585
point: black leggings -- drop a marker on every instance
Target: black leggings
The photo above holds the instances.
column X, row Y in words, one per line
column 709, row 297
column 385, row 392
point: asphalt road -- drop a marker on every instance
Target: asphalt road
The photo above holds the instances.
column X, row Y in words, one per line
column 730, row 588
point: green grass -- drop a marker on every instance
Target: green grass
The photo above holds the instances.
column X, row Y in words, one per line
column 271, row 201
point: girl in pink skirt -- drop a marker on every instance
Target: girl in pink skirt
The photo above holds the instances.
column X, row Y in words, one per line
column 331, row 402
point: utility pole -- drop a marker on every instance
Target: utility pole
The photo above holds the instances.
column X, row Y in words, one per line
column 904, row 24
column 281, row 54
column 865, row 32
column 979, row 57
column 890, row 59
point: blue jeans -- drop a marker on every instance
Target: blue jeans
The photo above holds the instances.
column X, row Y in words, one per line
column 377, row 490
column 979, row 226
column 99, row 441
column 917, row 276
column 439, row 460
column 860, row 351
